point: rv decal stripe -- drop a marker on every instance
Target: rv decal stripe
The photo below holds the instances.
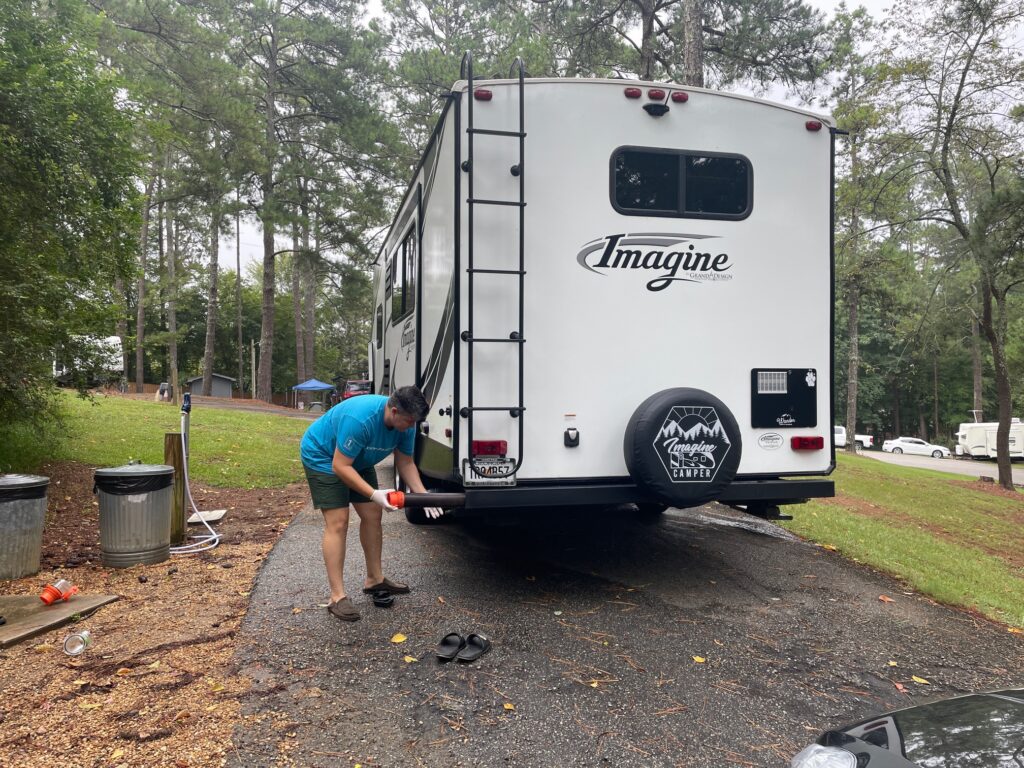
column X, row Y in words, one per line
column 671, row 234
column 652, row 240
column 437, row 362
column 581, row 257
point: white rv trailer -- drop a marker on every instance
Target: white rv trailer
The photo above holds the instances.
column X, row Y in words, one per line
column 614, row 291
column 978, row 439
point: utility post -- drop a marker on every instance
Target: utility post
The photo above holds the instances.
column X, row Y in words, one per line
column 174, row 456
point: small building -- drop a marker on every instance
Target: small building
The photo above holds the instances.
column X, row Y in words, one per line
column 222, row 385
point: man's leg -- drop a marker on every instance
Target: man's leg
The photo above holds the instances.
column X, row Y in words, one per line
column 371, row 536
column 333, row 545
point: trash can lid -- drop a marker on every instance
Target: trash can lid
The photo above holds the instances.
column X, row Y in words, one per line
column 136, row 470
column 12, row 482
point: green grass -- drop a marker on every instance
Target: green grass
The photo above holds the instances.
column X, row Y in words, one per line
column 958, row 545
column 233, row 449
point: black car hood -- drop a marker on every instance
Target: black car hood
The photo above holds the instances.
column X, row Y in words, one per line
column 976, row 731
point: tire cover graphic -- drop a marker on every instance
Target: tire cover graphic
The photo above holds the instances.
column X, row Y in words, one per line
column 683, row 446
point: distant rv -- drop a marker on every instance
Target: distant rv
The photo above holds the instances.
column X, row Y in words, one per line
column 97, row 360
column 978, row 439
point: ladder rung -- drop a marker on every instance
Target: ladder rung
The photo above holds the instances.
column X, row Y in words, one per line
column 477, row 201
column 493, row 408
column 497, row 271
column 471, row 340
column 492, row 132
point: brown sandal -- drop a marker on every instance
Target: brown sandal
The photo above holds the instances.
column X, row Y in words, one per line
column 389, row 586
column 344, row 610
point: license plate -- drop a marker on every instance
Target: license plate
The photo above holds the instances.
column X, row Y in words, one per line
column 489, row 470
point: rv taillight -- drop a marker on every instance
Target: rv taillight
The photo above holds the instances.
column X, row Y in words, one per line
column 807, row 443
column 482, row 94
column 656, row 94
column 489, row 447
column 680, row 97
column 633, row 93
column 812, row 125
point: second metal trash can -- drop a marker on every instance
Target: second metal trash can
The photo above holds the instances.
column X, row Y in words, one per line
column 22, row 514
column 135, row 514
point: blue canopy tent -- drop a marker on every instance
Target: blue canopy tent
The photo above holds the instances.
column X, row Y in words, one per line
column 312, row 385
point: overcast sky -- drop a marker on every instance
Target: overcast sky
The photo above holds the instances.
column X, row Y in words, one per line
column 251, row 239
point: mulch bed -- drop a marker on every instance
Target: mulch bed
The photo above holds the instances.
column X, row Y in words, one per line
column 158, row 686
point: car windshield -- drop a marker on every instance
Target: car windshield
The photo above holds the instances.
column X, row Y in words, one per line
column 356, row 386
column 978, row 730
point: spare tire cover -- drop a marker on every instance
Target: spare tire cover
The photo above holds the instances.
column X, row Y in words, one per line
column 683, row 446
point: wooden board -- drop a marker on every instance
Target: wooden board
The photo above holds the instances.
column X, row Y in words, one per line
column 27, row 616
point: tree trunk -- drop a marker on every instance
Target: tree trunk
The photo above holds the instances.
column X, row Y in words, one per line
column 935, row 398
column 896, row 409
column 976, row 367
column 693, row 43
column 309, row 299
column 265, row 372
column 122, row 326
column 211, row 300
column 172, row 299
column 647, row 14
column 238, row 301
column 853, row 311
column 300, row 348
column 140, row 289
column 994, row 328
column 264, row 387
column 853, row 366
column 162, row 275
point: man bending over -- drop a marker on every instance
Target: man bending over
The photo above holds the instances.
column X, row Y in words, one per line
column 339, row 451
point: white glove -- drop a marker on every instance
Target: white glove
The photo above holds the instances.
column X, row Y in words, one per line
column 433, row 512
column 380, row 497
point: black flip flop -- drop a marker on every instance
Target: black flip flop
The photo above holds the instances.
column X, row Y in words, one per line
column 382, row 598
column 450, row 646
column 476, row 646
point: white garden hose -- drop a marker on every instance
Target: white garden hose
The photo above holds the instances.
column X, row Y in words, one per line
column 203, row 542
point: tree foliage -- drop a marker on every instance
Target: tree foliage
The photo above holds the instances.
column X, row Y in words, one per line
column 67, row 199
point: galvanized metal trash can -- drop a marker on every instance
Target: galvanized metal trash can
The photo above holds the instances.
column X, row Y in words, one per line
column 135, row 514
column 22, row 514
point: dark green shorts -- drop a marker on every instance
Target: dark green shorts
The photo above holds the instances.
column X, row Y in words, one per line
column 329, row 492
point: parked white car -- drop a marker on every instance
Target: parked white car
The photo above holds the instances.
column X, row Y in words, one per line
column 863, row 441
column 915, row 446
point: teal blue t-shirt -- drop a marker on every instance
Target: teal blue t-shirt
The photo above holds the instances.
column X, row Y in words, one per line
column 356, row 428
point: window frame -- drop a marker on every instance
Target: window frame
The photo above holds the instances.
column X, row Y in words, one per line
column 680, row 212
column 400, row 280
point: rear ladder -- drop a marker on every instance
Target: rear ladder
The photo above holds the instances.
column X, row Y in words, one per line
column 515, row 337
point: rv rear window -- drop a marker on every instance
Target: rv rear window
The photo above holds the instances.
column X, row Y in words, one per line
column 659, row 182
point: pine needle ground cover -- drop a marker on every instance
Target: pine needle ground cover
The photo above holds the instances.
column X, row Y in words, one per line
column 953, row 538
column 160, row 685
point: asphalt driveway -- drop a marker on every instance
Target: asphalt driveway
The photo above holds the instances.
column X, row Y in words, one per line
column 705, row 638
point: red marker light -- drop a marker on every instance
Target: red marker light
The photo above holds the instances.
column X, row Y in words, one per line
column 482, row 94
column 489, row 448
column 807, row 443
column 812, row 125
column 656, row 94
column 633, row 93
column 680, row 97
